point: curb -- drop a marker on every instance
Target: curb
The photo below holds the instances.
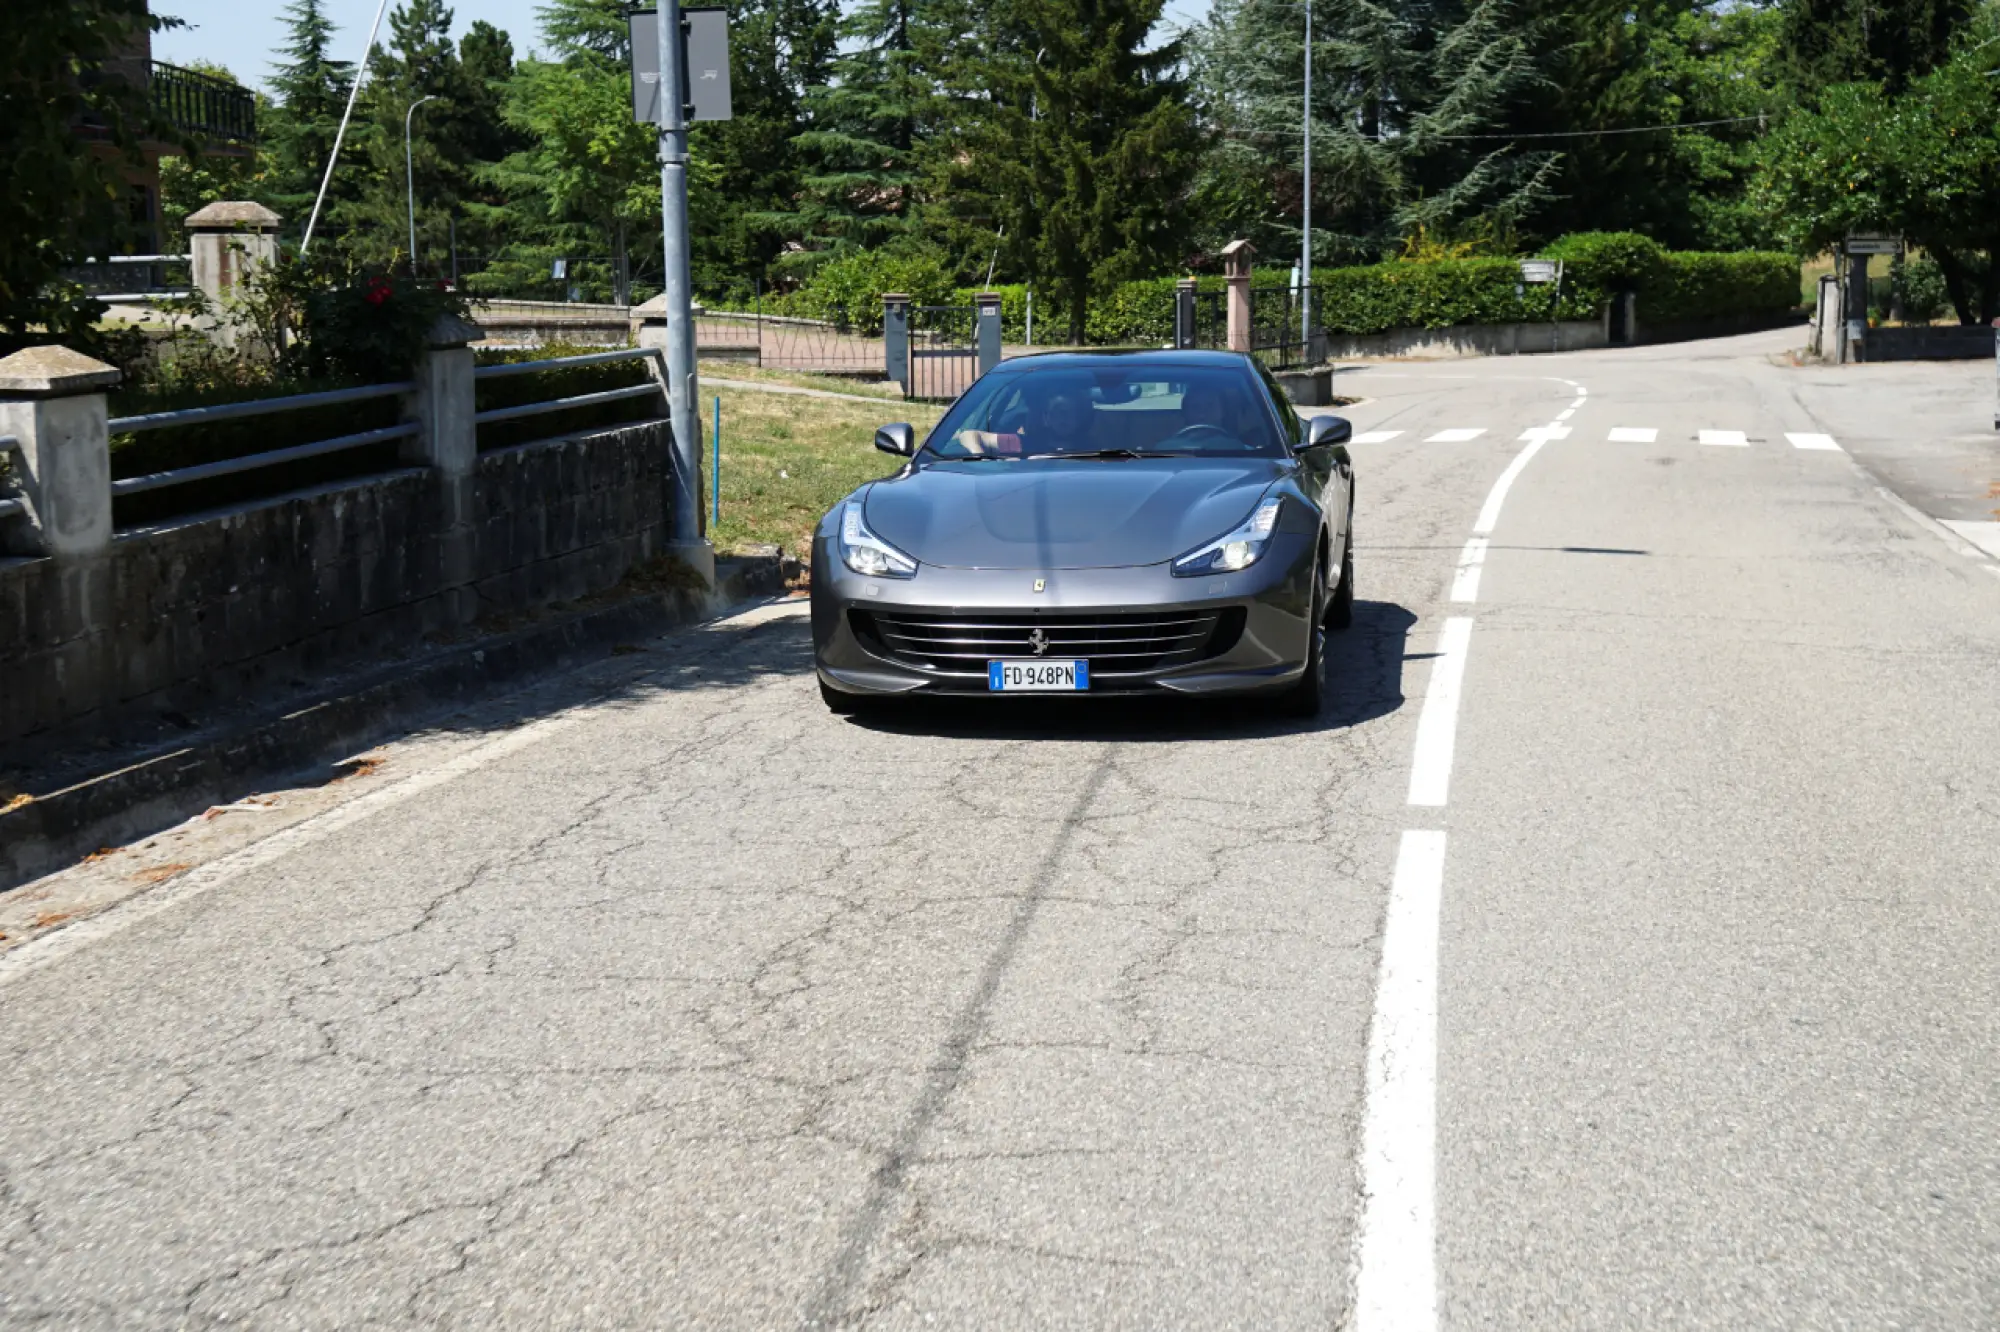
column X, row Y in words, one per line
column 55, row 830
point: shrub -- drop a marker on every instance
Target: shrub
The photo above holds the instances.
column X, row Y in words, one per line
column 1613, row 260
column 1700, row 285
column 1924, row 295
column 849, row 289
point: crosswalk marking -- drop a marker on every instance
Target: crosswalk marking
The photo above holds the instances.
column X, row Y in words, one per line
column 1734, row 439
column 1811, row 441
column 1456, row 436
column 1376, row 436
column 1633, row 434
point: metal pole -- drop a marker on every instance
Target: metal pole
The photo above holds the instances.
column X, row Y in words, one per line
column 410, row 175
column 1031, row 315
column 1306, row 260
column 340, row 136
column 681, row 409
column 716, row 520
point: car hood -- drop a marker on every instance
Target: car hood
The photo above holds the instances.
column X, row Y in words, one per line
column 1051, row 513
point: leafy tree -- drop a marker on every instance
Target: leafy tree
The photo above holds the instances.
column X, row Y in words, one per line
column 1828, row 42
column 62, row 205
column 586, row 176
column 1071, row 151
column 1924, row 162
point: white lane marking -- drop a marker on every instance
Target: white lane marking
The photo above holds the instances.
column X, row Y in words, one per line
column 1456, row 436
column 1489, row 513
column 1437, row 727
column 1734, row 439
column 1546, row 432
column 1395, row 1246
column 1376, row 436
column 1565, row 413
column 1633, row 435
column 1465, row 582
column 1985, row 535
column 1812, row 441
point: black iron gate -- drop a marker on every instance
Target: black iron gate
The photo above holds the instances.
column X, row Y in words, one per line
column 944, row 355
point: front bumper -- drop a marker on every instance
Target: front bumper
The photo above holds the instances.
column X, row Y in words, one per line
column 1143, row 630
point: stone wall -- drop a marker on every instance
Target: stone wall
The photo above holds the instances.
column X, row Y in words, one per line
column 219, row 603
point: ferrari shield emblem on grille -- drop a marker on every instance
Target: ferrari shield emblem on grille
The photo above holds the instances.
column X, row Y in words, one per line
column 1041, row 583
column 1039, row 641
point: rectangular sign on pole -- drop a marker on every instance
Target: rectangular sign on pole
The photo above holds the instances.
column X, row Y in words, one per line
column 1538, row 270
column 1872, row 245
column 707, row 73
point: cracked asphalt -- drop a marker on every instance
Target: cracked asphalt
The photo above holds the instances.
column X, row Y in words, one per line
column 654, row 995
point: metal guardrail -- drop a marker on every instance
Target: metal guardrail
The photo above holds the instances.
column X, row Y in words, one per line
column 562, row 363
column 203, row 104
column 10, row 507
column 130, row 425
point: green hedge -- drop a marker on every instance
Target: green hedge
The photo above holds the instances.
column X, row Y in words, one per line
column 1677, row 286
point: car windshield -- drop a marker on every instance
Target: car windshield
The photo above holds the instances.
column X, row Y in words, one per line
column 1064, row 411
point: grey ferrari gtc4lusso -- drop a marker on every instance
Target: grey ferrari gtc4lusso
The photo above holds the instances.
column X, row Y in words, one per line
column 1110, row 523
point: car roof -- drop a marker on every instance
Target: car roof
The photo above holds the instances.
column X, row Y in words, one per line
column 1075, row 360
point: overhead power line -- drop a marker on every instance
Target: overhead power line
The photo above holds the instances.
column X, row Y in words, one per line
column 1554, row 134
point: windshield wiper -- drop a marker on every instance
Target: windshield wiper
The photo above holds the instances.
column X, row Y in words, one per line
column 1109, row 453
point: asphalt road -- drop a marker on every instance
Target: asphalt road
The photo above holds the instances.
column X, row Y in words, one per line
column 1617, row 950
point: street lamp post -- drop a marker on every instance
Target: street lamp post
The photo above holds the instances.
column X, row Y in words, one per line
column 410, row 177
column 1306, row 258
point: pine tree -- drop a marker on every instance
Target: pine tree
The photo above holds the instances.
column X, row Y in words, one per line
column 310, row 88
column 1071, row 151
column 862, row 132
column 1827, row 42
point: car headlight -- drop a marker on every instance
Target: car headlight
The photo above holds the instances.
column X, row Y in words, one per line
column 1234, row 550
column 866, row 553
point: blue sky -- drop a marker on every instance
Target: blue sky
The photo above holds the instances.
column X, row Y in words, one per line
column 241, row 34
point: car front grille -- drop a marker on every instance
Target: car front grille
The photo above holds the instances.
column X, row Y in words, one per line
column 1131, row 643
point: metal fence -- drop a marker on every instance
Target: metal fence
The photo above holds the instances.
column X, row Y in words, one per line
column 215, row 109
column 944, row 355
column 738, row 324
column 135, row 277
column 1284, row 325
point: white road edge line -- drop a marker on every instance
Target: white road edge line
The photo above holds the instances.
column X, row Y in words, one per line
column 38, row 953
column 1465, row 582
column 1395, row 1246
column 32, row 956
column 1437, row 727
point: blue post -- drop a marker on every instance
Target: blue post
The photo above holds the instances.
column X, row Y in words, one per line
column 716, row 520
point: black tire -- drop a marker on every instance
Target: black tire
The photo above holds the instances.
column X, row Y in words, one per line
column 1304, row 698
column 839, row 704
column 1340, row 615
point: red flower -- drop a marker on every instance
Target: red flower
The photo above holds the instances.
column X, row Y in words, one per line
column 378, row 291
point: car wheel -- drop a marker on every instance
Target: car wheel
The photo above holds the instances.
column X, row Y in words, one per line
column 1303, row 699
column 1340, row 615
column 839, row 704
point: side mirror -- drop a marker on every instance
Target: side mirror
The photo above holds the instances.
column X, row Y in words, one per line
column 1328, row 430
column 898, row 439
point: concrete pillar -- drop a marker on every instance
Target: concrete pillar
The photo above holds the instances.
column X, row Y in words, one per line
column 896, row 340
column 448, row 444
column 52, row 401
column 1236, row 258
column 227, row 243
column 1184, row 338
column 986, row 309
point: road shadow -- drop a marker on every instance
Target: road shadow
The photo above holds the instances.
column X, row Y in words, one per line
column 1364, row 679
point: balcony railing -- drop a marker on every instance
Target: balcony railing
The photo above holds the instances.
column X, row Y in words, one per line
column 203, row 105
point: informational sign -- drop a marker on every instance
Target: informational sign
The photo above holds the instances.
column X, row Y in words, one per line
column 1865, row 242
column 559, row 269
column 706, row 54
column 1538, row 270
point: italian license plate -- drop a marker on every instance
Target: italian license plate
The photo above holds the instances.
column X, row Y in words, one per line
column 1037, row 676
